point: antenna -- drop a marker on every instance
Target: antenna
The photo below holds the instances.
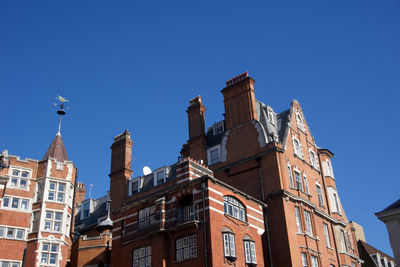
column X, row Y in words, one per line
column 146, row 170
column 61, row 110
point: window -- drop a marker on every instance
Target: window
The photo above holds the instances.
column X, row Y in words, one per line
column 53, row 221
column 146, row 217
column 326, row 233
column 213, row 155
column 39, row 192
column 160, row 177
column 314, row 261
column 35, row 221
column 319, row 193
column 328, row 169
column 306, row 190
column 304, row 259
column 218, row 127
column 12, row 233
column 142, row 257
column 19, row 179
column 56, row 192
column 186, row 248
column 186, row 211
column 234, row 208
column 313, row 159
column 9, row 264
column 20, row 234
column 298, row 221
column 307, row 218
column 270, row 116
column 229, row 245
column 85, row 210
column 297, row 177
column 300, row 122
column 16, row 203
column 290, row 176
column 337, row 207
column 49, row 254
column 250, row 252
column 297, row 147
column 2, row 231
column 343, row 241
column 135, row 187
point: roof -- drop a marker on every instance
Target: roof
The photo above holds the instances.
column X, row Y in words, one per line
column 57, row 149
column 99, row 211
column 393, row 206
column 370, row 250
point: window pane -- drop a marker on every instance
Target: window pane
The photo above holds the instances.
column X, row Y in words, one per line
column 232, row 245
column 24, row 174
column 53, row 258
column 6, row 202
column 57, row 226
column 22, row 183
column 51, row 196
column 60, row 197
column 2, row 230
column 58, row 216
column 20, row 234
column 61, row 187
column 15, row 173
column 10, row 232
column 5, row 264
column 15, row 203
column 49, row 215
column 44, row 258
column 52, row 186
column 47, row 225
column 54, row 248
column 24, row 204
column 45, row 247
column 14, row 181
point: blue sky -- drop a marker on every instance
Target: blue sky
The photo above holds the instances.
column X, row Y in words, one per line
column 134, row 65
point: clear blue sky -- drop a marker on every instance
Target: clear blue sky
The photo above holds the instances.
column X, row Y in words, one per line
column 135, row 65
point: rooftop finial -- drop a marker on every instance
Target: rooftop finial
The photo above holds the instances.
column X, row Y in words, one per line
column 60, row 110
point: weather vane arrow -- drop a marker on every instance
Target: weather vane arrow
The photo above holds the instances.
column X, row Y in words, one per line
column 60, row 110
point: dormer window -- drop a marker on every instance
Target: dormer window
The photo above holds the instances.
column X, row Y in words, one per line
column 218, row 127
column 270, row 115
column 214, row 155
column 300, row 122
column 85, row 210
column 160, row 176
column 135, row 187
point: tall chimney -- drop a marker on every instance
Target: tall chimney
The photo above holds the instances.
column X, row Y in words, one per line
column 80, row 193
column 121, row 157
column 239, row 99
column 196, row 146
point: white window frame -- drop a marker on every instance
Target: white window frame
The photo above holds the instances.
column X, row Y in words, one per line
column 314, row 261
column 56, row 192
column 328, row 169
column 320, row 195
column 141, row 257
column 343, row 240
column 300, row 122
column 218, row 127
column 290, row 175
column 10, row 263
column 298, row 220
column 270, row 114
column 228, row 239
column 163, row 175
column 19, row 178
column 306, row 188
column 47, row 253
column 297, row 149
column 298, row 180
column 52, row 221
column 336, row 202
column 85, row 208
column 308, row 223
column 211, row 160
column 233, row 207
column 304, row 260
column 11, row 200
column 15, row 230
column 313, row 159
column 326, row 233
column 186, row 248
column 250, row 256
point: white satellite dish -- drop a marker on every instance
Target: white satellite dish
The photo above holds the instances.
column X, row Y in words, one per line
column 146, row 170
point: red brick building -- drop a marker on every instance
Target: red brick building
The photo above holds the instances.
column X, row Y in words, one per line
column 274, row 158
column 36, row 206
column 180, row 215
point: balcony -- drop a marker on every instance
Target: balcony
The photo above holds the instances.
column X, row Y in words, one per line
column 170, row 220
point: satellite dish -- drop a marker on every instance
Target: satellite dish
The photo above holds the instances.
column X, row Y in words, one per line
column 146, row 170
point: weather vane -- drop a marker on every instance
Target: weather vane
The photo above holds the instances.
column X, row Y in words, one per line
column 60, row 110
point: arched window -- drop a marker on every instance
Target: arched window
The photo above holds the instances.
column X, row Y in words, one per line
column 234, row 208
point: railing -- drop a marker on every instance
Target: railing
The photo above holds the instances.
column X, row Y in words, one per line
column 160, row 221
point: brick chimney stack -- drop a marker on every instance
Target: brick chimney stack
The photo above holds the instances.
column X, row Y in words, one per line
column 239, row 99
column 196, row 146
column 121, row 158
column 80, row 193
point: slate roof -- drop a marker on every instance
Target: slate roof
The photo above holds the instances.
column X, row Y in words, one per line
column 393, row 206
column 99, row 211
column 57, row 149
column 148, row 180
column 366, row 252
column 277, row 129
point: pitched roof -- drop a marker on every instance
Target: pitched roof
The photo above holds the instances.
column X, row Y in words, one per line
column 57, row 149
column 370, row 250
column 393, row 206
